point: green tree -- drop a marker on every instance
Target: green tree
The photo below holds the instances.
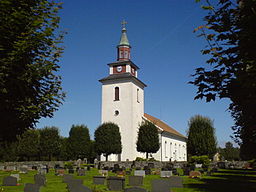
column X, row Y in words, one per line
column 49, row 141
column 230, row 33
column 29, row 55
column 201, row 137
column 107, row 139
column 230, row 152
column 79, row 141
column 148, row 140
column 64, row 152
column 29, row 143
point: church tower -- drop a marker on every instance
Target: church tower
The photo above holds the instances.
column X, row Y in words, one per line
column 123, row 99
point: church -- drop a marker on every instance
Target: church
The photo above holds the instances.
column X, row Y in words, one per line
column 123, row 104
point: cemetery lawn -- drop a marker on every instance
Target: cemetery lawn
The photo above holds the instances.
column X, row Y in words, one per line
column 222, row 181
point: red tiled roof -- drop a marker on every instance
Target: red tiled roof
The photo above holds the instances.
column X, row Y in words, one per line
column 162, row 125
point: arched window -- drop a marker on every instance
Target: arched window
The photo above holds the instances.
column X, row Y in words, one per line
column 116, row 93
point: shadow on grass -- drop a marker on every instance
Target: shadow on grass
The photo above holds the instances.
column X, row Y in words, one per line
column 223, row 182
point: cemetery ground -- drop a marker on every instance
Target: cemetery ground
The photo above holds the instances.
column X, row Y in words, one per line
column 235, row 180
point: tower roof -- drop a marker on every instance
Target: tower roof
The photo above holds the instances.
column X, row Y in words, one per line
column 124, row 39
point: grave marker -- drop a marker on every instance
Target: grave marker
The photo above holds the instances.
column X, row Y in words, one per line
column 9, row 181
column 135, row 189
column 135, row 180
column 29, row 187
column 139, row 173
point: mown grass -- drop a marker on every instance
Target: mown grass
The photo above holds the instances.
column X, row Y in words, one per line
column 223, row 181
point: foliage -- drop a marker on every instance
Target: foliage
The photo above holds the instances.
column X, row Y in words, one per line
column 204, row 159
column 64, row 153
column 49, row 141
column 230, row 33
column 148, row 140
column 29, row 53
column 29, row 143
column 230, row 153
column 201, row 136
column 108, row 139
column 79, row 142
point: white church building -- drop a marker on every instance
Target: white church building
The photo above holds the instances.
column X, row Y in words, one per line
column 123, row 104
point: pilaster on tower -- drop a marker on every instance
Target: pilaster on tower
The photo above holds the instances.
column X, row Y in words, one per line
column 124, row 48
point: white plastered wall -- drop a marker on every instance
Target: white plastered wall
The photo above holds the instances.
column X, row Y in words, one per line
column 131, row 110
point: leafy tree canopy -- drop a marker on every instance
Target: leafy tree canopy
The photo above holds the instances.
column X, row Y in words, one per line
column 201, row 137
column 148, row 140
column 108, row 139
column 29, row 143
column 230, row 34
column 49, row 141
column 29, row 53
column 79, row 142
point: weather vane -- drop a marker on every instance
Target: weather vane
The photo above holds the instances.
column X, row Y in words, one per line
column 123, row 23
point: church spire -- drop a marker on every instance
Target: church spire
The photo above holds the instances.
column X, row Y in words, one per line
column 123, row 49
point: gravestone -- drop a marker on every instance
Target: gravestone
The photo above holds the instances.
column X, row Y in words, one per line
column 147, row 170
column 71, row 171
column 59, row 172
column 88, row 168
column 73, row 183
column 24, row 169
column 29, row 187
column 2, row 167
column 175, row 172
column 195, row 174
column 151, row 165
column 40, row 179
column 165, row 173
column 67, row 178
column 99, row 180
column 81, row 172
column 186, row 171
column 160, row 185
column 9, row 181
column 135, row 189
column 139, row 173
column 115, row 183
column 135, row 180
column 10, row 168
column 34, row 167
column 80, row 188
column 176, row 182
column 42, row 171
column 16, row 175
column 103, row 172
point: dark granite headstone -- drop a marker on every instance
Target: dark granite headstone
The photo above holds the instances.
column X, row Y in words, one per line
column 176, row 182
column 160, row 185
column 135, row 189
column 88, row 168
column 115, row 183
column 9, row 181
column 99, row 180
column 73, row 183
column 71, row 171
column 29, row 187
column 151, row 165
column 79, row 188
column 135, row 180
column 40, row 179
column 147, row 170
column 81, row 172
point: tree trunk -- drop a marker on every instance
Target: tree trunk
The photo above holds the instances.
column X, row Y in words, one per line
column 146, row 155
column 106, row 157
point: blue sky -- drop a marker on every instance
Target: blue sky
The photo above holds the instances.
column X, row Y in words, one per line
column 163, row 46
